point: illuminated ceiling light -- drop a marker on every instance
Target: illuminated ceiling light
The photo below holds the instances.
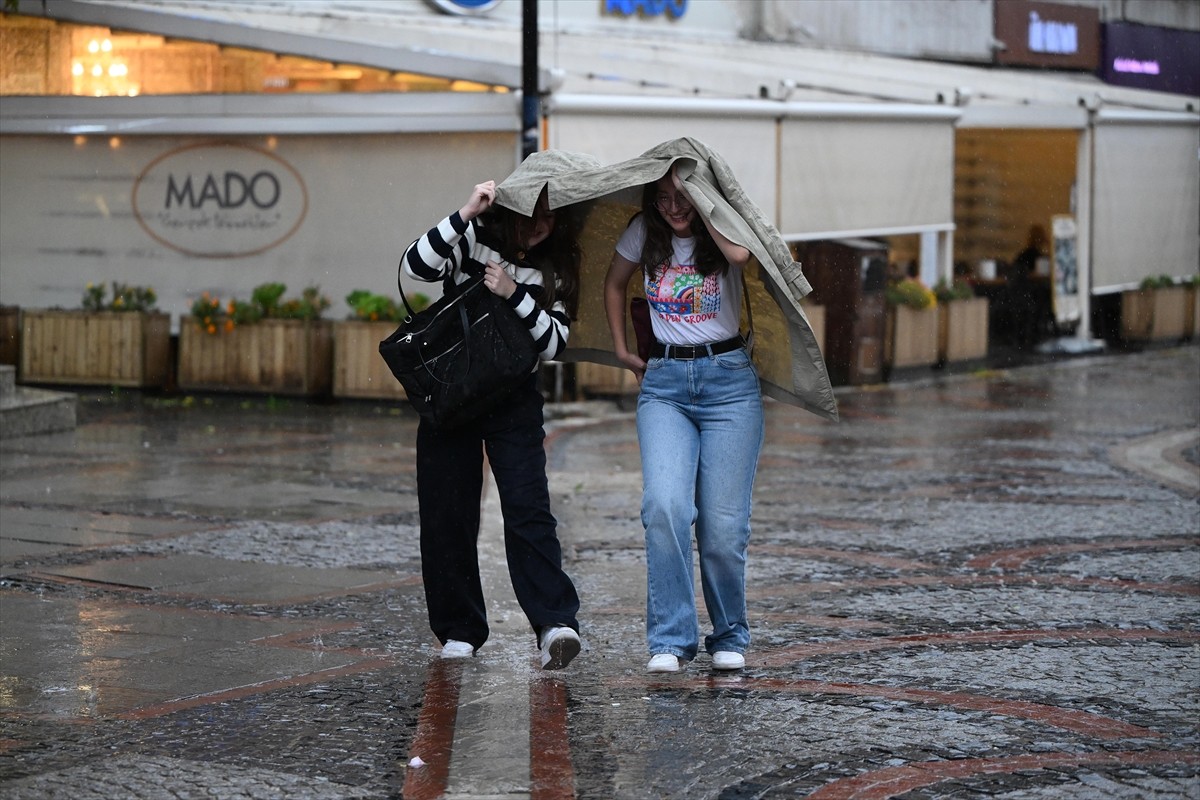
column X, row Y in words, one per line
column 118, row 70
column 77, row 68
column 97, row 70
column 93, row 46
column 106, row 45
column 114, row 142
column 80, row 141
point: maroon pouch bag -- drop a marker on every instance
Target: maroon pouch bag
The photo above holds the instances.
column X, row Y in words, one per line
column 639, row 312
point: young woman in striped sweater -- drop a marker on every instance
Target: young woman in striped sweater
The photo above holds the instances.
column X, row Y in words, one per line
column 533, row 262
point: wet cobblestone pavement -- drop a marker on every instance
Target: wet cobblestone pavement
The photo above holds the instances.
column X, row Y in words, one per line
column 981, row 585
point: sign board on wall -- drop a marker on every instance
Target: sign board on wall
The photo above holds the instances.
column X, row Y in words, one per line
column 465, row 7
column 219, row 200
column 1038, row 34
column 1146, row 57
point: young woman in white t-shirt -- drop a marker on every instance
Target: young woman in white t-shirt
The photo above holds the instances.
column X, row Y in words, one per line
column 700, row 423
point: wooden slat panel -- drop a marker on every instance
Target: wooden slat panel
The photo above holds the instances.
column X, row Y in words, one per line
column 272, row 356
column 914, row 336
column 963, row 329
column 92, row 348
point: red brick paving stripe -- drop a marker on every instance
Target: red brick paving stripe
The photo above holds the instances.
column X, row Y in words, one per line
column 790, row 655
column 764, row 590
column 892, row 781
column 814, row 620
column 434, row 740
column 225, row 695
column 551, row 772
column 845, row 556
column 1018, row 557
column 1080, row 722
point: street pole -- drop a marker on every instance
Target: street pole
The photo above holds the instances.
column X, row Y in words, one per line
column 530, row 98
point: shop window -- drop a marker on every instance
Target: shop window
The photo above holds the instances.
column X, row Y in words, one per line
column 44, row 57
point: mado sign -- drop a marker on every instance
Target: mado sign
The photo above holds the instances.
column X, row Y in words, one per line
column 219, row 200
column 648, row 8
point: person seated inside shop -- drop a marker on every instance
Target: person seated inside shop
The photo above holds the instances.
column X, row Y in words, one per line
column 1028, row 294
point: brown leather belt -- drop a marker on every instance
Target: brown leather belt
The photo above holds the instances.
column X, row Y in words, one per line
column 687, row 352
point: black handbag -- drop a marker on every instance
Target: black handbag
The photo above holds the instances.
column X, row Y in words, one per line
column 460, row 356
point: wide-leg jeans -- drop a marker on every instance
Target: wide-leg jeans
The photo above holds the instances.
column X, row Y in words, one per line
column 700, row 430
column 449, row 489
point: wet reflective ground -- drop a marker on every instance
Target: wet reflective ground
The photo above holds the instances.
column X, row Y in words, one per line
column 977, row 585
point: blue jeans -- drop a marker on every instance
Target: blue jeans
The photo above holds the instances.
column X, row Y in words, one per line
column 700, row 429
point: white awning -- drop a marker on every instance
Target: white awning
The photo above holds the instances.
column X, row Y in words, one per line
column 361, row 38
column 844, row 177
column 819, row 170
column 1147, row 208
column 245, row 115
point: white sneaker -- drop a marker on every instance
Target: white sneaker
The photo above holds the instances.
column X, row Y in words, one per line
column 560, row 644
column 456, row 649
column 663, row 662
column 727, row 659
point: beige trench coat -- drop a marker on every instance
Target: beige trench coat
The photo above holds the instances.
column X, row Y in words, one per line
column 785, row 351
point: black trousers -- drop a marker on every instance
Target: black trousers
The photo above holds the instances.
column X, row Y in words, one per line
column 450, row 488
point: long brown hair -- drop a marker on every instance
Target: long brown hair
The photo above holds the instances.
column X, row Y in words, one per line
column 657, row 251
column 558, row 257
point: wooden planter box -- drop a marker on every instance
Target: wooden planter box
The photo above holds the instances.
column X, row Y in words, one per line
column 358, row 369
column 104, row 348
column 816, row 321
column 273, row 356
column 1193, row 321
column 10, row 335
column 963, row 329
column 1155, row 314
column 911, row 339
column 601, row 380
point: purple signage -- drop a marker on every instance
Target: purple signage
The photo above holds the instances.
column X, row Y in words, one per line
column 1148, row 57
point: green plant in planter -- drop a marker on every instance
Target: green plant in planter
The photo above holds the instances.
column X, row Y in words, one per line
column 266, row 302
column 370, row 307
column 266, row 298
column 1157, row 282
column 242, row 313
column 124, row 298
column 310, row 305
column 948, row 293
column 910, row 292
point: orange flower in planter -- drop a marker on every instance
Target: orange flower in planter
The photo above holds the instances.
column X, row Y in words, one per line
column 207, row 312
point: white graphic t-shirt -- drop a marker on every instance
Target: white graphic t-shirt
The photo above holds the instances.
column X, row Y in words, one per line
column 687, row 307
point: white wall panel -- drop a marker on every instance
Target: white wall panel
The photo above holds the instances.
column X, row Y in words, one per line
column 69, row 214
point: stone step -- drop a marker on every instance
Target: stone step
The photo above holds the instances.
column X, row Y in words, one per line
column 25, row 411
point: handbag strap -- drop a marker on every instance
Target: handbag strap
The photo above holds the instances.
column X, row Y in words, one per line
column 749, row 336
column 454, row 291
column 449, row 289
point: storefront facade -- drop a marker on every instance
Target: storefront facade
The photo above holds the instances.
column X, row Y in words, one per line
column 365, row 134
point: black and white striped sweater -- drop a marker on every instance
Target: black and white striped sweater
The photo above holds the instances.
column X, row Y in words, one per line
column 453, row 249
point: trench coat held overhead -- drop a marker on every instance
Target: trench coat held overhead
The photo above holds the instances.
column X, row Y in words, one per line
column 785, row 353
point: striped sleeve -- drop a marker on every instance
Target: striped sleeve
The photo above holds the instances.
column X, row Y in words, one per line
column 549, row 329
column 437, row 253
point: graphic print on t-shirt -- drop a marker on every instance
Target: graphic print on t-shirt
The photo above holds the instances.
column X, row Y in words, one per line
column 680, row 294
